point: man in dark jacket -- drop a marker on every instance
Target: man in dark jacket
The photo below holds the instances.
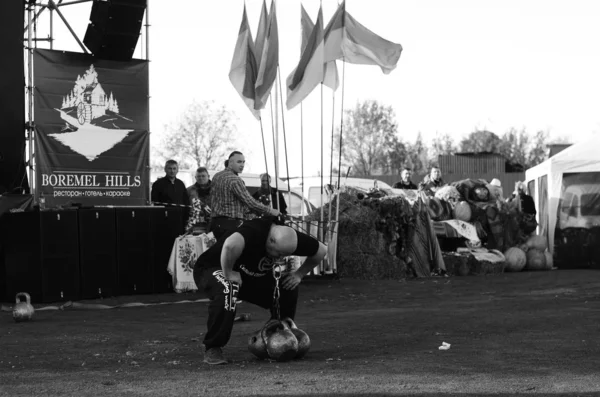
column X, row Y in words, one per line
column 169, row 189
column 432, row 182
column 405, row 182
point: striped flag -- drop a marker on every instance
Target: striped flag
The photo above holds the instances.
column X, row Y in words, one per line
column 243, row 71
column 309, row 72
column 269, row 61
column 331, row 78
column 261, row 33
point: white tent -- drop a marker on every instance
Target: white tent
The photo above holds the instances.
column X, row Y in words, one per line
column 545, row 181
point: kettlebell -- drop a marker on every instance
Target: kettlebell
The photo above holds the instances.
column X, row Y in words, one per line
column 256, row 343
column 281, row 343
column 301, row 336
column 23, row 310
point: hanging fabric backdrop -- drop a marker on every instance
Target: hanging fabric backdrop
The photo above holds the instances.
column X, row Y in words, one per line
column 92, row 139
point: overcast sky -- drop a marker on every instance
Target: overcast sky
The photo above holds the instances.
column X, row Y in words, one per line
column 466, row 64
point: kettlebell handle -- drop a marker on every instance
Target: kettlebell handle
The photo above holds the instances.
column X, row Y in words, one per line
column 21, row 295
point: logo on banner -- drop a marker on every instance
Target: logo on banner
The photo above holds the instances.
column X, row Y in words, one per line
column 91, row 118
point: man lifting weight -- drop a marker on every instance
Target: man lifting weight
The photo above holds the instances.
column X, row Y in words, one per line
column 240, row 266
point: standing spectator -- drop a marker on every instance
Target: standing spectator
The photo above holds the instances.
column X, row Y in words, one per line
column 405, row 182
column 199, row 194
column 169, row 189
column 268, row 196
column 526, row 206
column 230, row 199
column 432, row 182
column 201, row 189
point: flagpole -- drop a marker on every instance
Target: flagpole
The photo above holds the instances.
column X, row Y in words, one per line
column 287, row 169
column 276, row 143
column 332, row 132
column 262, row 134
column 273, row 128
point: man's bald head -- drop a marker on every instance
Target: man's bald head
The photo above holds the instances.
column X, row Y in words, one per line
column 282, row 241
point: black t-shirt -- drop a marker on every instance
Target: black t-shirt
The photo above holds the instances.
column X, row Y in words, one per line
column 254, row 260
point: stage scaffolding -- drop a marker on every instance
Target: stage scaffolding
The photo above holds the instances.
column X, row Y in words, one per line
column 32, row 37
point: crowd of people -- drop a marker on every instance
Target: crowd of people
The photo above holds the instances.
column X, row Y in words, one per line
column 224, row 200
column 433, row 181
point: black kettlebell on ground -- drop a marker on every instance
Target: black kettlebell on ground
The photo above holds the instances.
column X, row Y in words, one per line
column 256, row 344
column 281, row 343
column 301, row 336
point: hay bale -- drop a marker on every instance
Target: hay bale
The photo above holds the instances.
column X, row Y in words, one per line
column 370, row 244
column 366, row 257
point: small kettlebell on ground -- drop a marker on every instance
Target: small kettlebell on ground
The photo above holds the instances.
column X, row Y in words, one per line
column 23, row 310
column 301, row 336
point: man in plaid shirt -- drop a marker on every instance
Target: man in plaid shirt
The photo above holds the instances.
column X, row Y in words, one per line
column 230, row 200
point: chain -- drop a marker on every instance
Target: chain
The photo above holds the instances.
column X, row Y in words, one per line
column 277, row 275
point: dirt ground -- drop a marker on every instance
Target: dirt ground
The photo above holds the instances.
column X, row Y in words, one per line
column 530, row 333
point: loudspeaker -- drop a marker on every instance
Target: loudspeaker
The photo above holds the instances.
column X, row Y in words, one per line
column 135, row 250
column 114, row 28
column 42, row 255
column 22, row 261
column 98, row 253
column 59, row 236
column 167, row 226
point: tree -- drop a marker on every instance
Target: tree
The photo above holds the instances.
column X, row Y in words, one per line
column 515, row 147
column 538, row 153
column 417, row 158
column 204, row 136
column 370, row 144
column 521, row 149
column 481, row 141
column 441, row 144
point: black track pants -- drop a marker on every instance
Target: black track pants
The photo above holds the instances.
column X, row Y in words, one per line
column 221, row 225
column 223, row 295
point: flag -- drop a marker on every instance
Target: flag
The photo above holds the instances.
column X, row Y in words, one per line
column 346, row 38
column 331, row 78
column 243, row 66
column 306, row 25
column 309, row 72
column 361, row 46
column 269, row 61
column 261, row 33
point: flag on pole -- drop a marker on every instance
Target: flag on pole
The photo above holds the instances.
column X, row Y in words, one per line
column 261, row 33
column 309, row 72
column 331, row 78
column 306, row 25
column 267, row 71
column 346, row 38
column 243, row 71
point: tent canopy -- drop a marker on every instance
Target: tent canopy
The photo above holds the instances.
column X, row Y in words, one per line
column 546, row 181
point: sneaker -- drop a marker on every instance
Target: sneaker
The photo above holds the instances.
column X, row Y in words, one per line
column 214, row 356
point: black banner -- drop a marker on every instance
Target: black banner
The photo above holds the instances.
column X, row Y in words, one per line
column 92, row 140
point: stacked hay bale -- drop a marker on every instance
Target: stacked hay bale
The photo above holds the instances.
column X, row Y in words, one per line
column 371, row 236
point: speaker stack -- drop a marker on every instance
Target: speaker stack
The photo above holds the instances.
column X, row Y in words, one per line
column 41, row 254
column 135, row 250
column 114, row 28
column 87, row 253
column 98, row 253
